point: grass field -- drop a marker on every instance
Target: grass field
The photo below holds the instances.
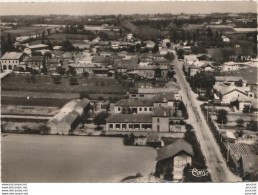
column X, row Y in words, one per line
column 37, row 158
column 23, row 31
column 45, row 84
column 249, row 74
column 23, row 101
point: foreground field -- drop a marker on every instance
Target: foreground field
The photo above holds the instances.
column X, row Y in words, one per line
column 35, row 158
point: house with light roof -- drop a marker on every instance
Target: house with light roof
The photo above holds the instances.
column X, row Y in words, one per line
column 11, row 60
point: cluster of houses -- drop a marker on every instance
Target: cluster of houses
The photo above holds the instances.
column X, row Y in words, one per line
column 92, row 62
column 228, row 89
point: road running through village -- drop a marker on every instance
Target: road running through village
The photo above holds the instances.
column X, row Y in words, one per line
column 215, row 162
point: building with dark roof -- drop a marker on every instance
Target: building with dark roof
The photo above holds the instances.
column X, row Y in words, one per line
column 145, row 105
column 34, row 62
column 173, row 158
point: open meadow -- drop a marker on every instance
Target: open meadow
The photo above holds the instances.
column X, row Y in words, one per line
column 45, row 84
column 48, row 159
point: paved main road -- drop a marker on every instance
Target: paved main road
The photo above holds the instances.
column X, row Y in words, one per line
column 215, row 162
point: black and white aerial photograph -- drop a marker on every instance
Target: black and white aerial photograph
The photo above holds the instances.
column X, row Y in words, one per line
column 129, row 92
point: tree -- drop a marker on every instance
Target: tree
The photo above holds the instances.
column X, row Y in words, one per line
column 48, row 31
column 239, row 83
column 170, row 74
column 180, row 53
column 246, row 108
column 80, row 27
column 204, row 80
column 170, row 56
column 57, row 79
column 157, row 72
column 209, row 33
column 222, row 116
column 50, row 45
column 194, row 49
column 129, row 140
column 67, row 45
column 137, row 47
column 253, row 125
column 60, row 70
column 86, row 74
column 104, row 36
column 100, row 119
column 44, row 70
column 183, row 35
column 73, row 81
column 240, row 122
column 21, row 69
column 71, row 71
column 155, row 49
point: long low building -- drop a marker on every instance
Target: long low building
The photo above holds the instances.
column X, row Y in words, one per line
column 157, row 121
column 68, row 117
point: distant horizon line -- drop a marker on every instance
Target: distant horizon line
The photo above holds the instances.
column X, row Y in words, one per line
column 249, row 12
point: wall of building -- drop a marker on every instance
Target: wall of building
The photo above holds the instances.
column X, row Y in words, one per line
column 9, row 64
column 128, row 126
column 180, row 161
column 160, row 124
column 140, row 110
column 228, row 97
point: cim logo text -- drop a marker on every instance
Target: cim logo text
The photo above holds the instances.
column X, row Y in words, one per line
column 199, row 173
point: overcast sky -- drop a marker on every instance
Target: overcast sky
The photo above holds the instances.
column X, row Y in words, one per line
column 100, row 8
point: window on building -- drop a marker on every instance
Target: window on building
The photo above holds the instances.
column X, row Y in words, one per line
column 150, row 109
column 123, row 126
column 157, row 120
column 140, row 109
column 145, row 109
column 141, row 95
column 158, row 128
column 130, row 126
column 148, row 126
column 118, row 108
column 4, row 67
column 10, row 67
column 137, row 126
column 117, row 126
column 133, row 95
column 110, row 126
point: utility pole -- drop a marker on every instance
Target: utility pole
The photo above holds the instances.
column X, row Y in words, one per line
column 208, row 112
column 228, row 151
